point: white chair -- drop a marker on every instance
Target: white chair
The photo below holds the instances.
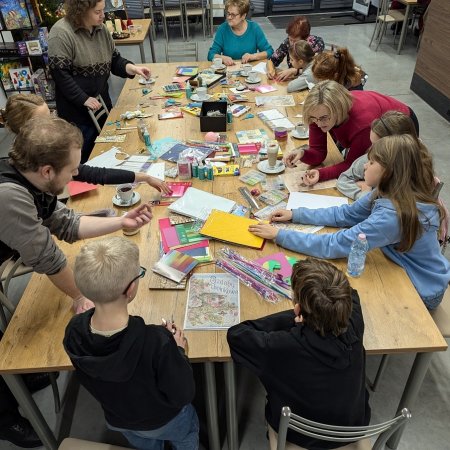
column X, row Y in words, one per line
column 178, row 52
column 195, row 8
column 386, row 16
column 80, row 444
column 334, row 433
column 95, row 115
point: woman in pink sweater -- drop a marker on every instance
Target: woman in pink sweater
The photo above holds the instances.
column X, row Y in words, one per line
column 347, row 116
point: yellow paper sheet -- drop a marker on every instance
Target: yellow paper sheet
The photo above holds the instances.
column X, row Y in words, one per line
column 231, row 228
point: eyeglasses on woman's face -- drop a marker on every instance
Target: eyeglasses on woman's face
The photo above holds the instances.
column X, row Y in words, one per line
column 231, row 15
column 142, row 272
column 322, row 119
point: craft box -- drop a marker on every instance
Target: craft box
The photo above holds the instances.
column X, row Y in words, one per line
column 218, row 123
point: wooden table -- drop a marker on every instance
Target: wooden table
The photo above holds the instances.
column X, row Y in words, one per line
column 408, row 4
column 139, row 38
column 396, row 318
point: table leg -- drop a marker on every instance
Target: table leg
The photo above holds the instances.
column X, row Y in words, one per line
column 30, row 409
column 409, row 396
column 230, row 405
column 404, row 29
column 212, row 420
column 152, row 48
column 141, row 49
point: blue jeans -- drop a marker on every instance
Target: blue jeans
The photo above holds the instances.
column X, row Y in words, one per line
column 89, row 134
column 181, row 431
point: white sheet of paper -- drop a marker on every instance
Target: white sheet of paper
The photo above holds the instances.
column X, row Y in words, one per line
column 314, row 201
column 260, row 67
column 272, row 114
column 107, row 159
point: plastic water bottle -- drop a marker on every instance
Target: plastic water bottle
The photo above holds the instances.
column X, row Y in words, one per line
column 188, row 90
column 357, row 256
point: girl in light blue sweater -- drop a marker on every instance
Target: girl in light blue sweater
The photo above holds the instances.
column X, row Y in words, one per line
column 401, row 217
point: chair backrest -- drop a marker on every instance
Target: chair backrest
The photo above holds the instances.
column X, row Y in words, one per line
column 187, row 51
column 95, row 115
column 336, row 433
column 444, row 238
column 134, row 9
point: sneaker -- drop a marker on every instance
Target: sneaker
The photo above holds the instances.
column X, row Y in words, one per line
column 20, row 433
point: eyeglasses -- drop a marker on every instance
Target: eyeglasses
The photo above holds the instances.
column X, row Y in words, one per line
column 321, row 119
column 231, row 15
column 142, row 272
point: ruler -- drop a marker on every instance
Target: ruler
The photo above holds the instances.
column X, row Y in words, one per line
column 248, row 196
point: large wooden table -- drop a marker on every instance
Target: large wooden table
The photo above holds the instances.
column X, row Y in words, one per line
column 396, row 318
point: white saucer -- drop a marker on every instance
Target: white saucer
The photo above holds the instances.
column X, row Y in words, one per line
column 296, row 135
column 263, row 166
column 258, row 80
column 145, row 82
column 196, row 99
column 222, row 66
column 118, row 202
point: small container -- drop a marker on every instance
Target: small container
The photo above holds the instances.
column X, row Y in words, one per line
column 209, row 171
column 280, row 134
column 188, row 90
column 229, row 117
column 184, row 169
column 194, row 169
column 217, row 123
column 201, row 171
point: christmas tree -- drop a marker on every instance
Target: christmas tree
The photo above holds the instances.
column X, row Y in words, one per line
column 51, row 11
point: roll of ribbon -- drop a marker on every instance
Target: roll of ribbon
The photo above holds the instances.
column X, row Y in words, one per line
column 280, row 133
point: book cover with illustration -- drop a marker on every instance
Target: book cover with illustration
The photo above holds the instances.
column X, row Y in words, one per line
column 213, row 302
column 175, row 265
column 5, row 77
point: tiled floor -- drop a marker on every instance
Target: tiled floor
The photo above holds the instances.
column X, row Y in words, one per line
column 391, row 74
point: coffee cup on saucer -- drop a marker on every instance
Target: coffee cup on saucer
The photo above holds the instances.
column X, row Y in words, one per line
column 252, row 76
column 202, row 93
column 217, row 63
column 125, row 192
column 246, row 69
column 300, row 129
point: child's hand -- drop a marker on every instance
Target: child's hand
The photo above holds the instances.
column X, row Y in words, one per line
column 282, row 215
column 263, row 230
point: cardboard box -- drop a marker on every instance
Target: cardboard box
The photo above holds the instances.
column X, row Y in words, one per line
column 218, row 123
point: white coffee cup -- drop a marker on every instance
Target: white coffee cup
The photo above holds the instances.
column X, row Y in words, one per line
column 217, row 62
column 272, row 153
column 202, row 92
column 252, row 76
column 301, row 130
column 246, row 69
column 125, row 192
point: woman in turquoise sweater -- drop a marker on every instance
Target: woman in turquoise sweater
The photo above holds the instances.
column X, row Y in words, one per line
column 239, row 38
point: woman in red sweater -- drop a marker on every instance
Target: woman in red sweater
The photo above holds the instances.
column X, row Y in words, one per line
column 347, row 116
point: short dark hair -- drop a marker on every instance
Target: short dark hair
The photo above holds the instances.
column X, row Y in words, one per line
column 299, row 26
column 44, row 141
column 76, row 10
column 324, row 295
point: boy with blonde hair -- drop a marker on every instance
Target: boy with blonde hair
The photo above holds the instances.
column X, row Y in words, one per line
column 139, row 373
column 311, row 359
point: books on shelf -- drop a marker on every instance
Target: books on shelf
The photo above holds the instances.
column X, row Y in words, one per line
column 213, row 302
column 175, row 265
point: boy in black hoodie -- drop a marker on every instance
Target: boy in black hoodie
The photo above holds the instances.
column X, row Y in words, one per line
column 139, row 373
column 311, row 359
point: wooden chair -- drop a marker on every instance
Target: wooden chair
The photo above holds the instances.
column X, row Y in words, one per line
column 195, row 8
column 386, row 16
column 178, row 52
column 172, row 9
column 333, row 433
column 79, row 444
column 95, row 115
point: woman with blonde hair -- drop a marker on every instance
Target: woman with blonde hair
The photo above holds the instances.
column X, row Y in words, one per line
column 347, row 116
column 401, row 216
column 239, row 38
column 302, row 56
column 339, row 65
column 21, row 108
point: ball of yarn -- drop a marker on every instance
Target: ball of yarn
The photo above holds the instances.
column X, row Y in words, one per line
column 210, row 136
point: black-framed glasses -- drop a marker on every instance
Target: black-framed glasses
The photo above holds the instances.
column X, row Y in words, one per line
column 142, row 272
column 322, row 119
column 231, row 15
